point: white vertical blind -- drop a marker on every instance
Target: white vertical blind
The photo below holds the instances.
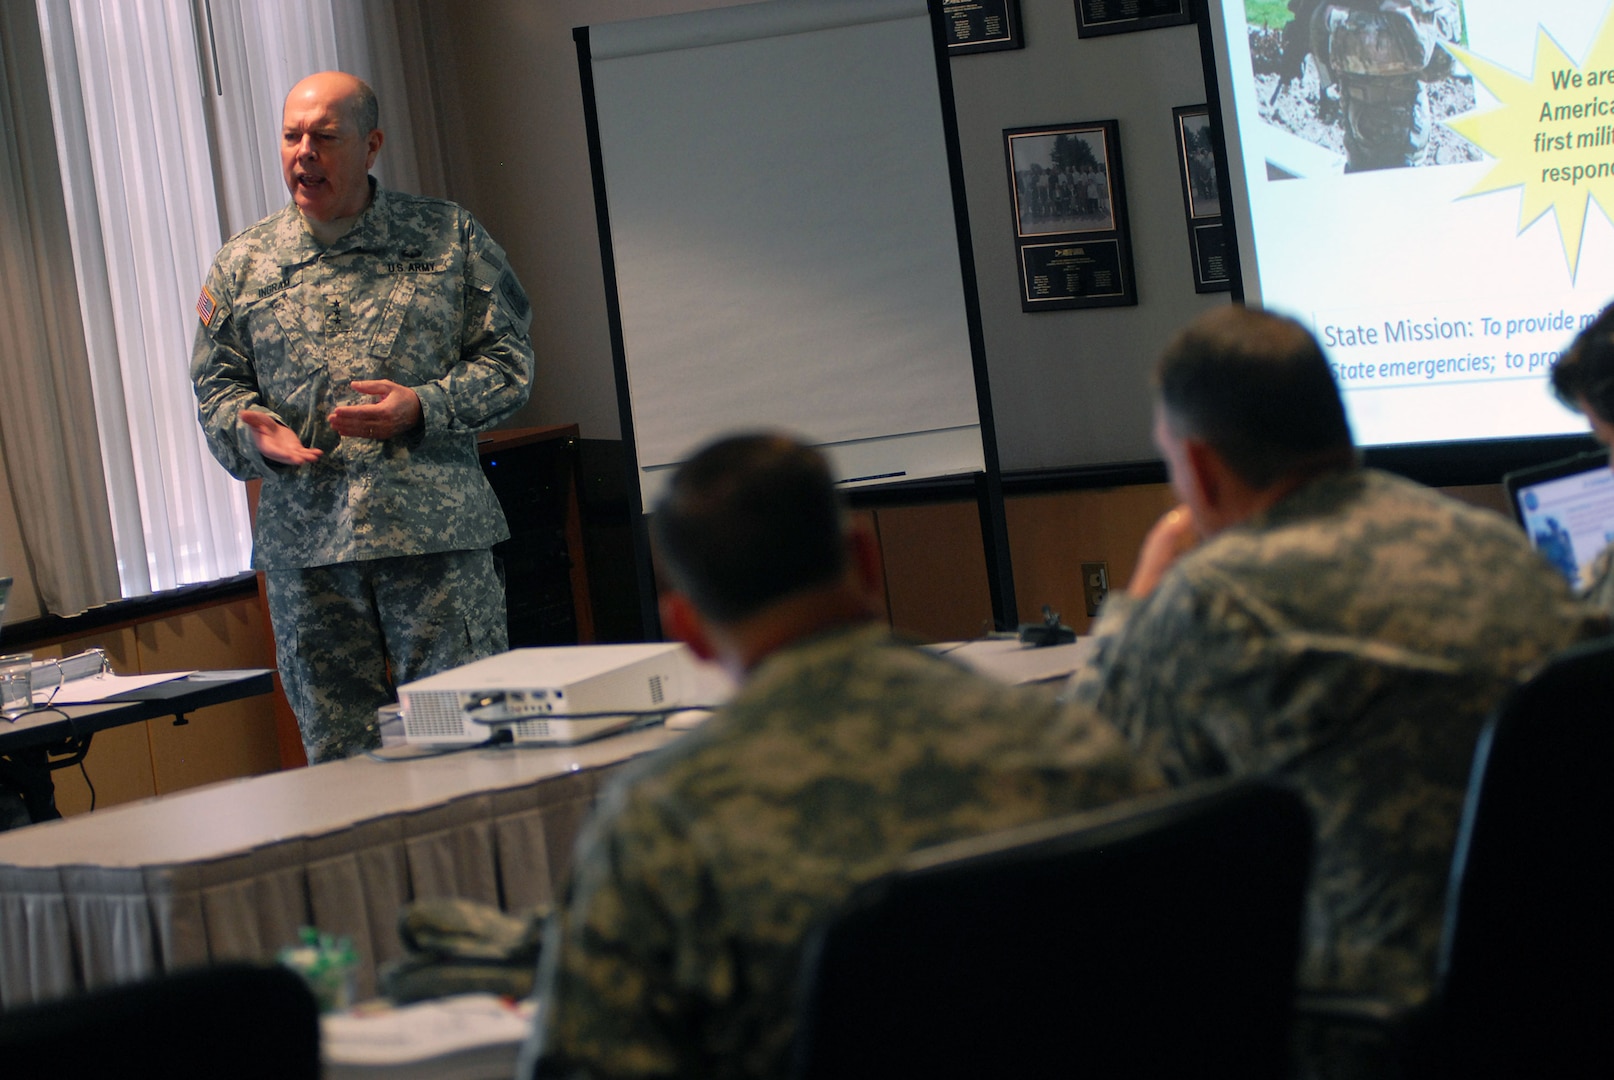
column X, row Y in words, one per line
column 137, row 176
column 52, row 451
column 261, row 49
column 167, row 118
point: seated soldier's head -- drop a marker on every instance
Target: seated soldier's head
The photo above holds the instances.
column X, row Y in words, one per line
column 755, row 550
column 1246, row 410
column 1583, row 377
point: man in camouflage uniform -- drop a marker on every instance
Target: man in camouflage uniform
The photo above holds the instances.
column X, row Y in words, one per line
column 351, row 346
column 1334, row 626
column 1583, row 379
column 676, row 950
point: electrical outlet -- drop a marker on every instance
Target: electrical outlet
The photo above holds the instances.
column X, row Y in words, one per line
column 1095, row 585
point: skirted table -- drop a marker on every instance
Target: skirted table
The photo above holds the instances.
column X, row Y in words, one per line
column 234, row 870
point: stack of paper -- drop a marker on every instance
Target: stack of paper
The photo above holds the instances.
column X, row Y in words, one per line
column 465, row 1037
column 1007, row 660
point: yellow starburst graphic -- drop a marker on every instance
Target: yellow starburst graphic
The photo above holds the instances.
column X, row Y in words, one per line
column 1552, row 134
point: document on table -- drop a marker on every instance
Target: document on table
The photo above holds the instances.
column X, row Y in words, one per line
column 1007, row 660
column 464, row 1037
column 93, row 688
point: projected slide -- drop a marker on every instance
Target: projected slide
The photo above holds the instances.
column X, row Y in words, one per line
column 1427, row 184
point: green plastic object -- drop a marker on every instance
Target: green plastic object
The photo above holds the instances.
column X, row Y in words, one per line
column 328, row 964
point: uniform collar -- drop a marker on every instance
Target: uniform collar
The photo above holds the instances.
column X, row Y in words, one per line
column 369, row 233
column 1320, row 495
column 826, row 644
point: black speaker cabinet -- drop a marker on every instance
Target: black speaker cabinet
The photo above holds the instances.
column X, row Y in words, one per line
column 533, row 473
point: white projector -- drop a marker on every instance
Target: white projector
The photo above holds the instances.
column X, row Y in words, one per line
column 555, row 695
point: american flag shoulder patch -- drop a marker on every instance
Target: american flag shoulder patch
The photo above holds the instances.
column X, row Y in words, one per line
column 206, row 306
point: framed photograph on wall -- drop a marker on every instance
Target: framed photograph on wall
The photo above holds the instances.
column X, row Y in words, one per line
column 974, row 26
column 1094, row 18
column 1196, row 158
column 1070, row 226
column 1201, row 198
column 1061, row 181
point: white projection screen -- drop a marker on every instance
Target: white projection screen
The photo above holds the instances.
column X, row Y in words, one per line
column 783, row 234
column 1445, row 282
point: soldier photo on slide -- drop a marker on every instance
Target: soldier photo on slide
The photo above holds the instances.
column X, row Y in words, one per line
column 1367, row 79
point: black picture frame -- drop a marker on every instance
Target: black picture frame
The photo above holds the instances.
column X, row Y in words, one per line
column 1196, row 162
column 1201, row 198
column 1096, row 18
column 1053, row 197
column 1067, row 195
column 975, row 26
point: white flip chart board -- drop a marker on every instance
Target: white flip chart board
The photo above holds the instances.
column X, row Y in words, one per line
column 783, row 234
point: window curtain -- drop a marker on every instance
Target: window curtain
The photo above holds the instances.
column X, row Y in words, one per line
column 136, row 171
column 47, row 413
column 167, row 120
column 261, row 48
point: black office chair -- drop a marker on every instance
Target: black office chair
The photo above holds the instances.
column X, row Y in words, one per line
column 1523, row 981
column 241, row 1021
column 1154, row 939
column 1525, row 984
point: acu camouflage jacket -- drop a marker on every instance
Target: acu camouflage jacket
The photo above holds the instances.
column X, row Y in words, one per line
column 707, row 862
column 1351, row 641
column 416, row 292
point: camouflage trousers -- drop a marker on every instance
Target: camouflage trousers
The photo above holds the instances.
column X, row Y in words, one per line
column 346, row 635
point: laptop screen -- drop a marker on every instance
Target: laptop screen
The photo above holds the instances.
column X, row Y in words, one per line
column 1567, row 509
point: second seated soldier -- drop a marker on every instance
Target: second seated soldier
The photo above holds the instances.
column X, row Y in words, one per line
column 1334, row 626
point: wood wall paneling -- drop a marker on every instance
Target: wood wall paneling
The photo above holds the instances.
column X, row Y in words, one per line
column 1050, row 536
column 119, row 761
column 222, row 741
column 935, row 571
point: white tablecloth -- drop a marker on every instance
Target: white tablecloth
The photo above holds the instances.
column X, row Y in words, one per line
column 233, row 870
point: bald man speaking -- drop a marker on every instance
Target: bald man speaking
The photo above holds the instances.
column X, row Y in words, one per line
column 351, row 345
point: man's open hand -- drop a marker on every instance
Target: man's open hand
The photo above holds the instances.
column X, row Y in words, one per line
column 276, row 441
column 395, row 410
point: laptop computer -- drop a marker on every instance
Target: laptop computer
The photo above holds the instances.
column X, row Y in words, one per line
column 1567, row 510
